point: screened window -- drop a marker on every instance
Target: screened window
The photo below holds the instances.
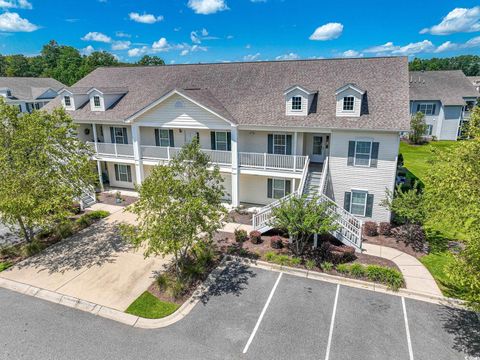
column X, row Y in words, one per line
column 297, row 103
column 279, row 144
column 317, row 145
column 348, row 102
column 363, row 152
column 427, row 109
column 120, row 135
column 358, row 204
column 123, row 173
column 67, row 100
column 221, row 140
column 164, row 137
column 96, row 101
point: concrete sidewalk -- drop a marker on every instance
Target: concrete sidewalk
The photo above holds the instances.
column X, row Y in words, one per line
column 416, row 275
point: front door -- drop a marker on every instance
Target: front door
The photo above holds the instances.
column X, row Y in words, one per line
column 190, row 135
column 318, row 148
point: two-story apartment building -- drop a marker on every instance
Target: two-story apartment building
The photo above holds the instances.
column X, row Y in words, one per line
column 29, row 93
column 445, row 97
column 274, row 128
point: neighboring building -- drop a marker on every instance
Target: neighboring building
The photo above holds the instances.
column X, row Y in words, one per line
column 328, row 127
column 445, row 97
column 29, row 93
column 475, row 80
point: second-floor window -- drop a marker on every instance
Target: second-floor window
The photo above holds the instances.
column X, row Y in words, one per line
column 221, row 141
column 426, row 108
column 164, row 137
column 363, row 152
column 279, row 144
column 96, row 101
column 297, row 103
column 348, row 103
column 119, row 135
column 67, row 100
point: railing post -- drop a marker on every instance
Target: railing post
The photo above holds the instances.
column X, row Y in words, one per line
column 264, row 161
column 295, row 162
column 168, row 153
column 115, row 147
column 94, row 127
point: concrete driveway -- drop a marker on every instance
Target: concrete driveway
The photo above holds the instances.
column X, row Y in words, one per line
column 93, row 265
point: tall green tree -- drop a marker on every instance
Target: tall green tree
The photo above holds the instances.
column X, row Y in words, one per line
column 148, row 60
column 178, row 205
column 17, row 65
column 43, row 168
column 418, row 128
column 301, row 218
column 469, row 64
column 452, row 195
column 97, row 59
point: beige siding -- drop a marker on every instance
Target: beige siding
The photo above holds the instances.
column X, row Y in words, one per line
column 257, row 141
column 177, row 112
column 305, row 103
column 253, row 189
column 374, row 180
column 122, row 184
column 357, row 104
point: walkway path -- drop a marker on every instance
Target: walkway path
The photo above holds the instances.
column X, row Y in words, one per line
column 416, row 276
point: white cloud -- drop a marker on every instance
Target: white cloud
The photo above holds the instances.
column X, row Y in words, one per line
column 138, row 51
column 352, row 54
column 251, row 57
column 161, row 45
column 385, row 48
column 144, row 18
column 457, row 20
column 184, row 52
column 122, row 34
column 258, row 1
column 12, row 22
column 449, row 46
column 195, row 38
column 206, row 7
column 87, row 51
column 97, row 36
column 290, row 56
column 415, row 48
column 328, row 31
column 446, row 46
column 121, row 45
column 15, row 4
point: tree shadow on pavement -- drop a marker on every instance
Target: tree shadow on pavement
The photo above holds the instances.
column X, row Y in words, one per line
column 96, row 245
column 232, row 280
column 464, row 325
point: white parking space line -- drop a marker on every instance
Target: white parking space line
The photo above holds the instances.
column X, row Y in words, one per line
column 262, row 314
column 409, row 340
column 332, row 324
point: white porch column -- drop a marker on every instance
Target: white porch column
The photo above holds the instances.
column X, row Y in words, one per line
column 94, row 127
column 235, row 170
column 295, row 143
column 137, row 154
column 100, row 177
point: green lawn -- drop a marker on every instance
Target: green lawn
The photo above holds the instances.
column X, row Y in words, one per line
column 4, row 265
column 150, row 307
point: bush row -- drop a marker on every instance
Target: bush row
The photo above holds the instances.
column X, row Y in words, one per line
column 371, row 228
column 381, row 274
column 276, row 242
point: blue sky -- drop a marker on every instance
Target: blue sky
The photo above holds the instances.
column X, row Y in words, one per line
column 187, row 31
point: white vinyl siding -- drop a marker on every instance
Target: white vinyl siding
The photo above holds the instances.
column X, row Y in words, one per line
column 297, row 102
column 357, row 102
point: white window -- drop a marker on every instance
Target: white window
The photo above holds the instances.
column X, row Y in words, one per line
column 427, row 109
column 67, row 101
column 363, row 153
column 358, row 202
column 120, row 135
column 297, row 103
column 221, row 140
column 280, row 144
column 96, row 101
column 123, row 173
column 164, row 137
column 429, row 130
column 317, row 145
column 348, row 103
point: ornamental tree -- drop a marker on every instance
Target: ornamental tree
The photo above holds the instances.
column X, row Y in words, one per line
column 179, row 205
column 418, row 127
column 43, row 168
column 301, row 217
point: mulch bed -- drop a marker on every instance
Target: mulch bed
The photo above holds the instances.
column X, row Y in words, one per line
column 110, row 199
column 394, row 243
column 240, row 217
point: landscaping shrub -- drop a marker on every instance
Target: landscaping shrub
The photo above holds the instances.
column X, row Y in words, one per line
column 162, row 282
column 388, row 276
column 357, row 270
column 240, row 235
column 327, row 266
column 10, row 251
column 270, row 255
column 255, row 237
column 276, row 242
column 64, row 230
column 413, row 235
column 177, row 288
column 336, row 254
column 32, row 248
column 343, row 268
column 282, row 259
column 89, row 218
column 5, row 265
column 76, row 209
column 385, row 229
column 370, row 228
column 310, row 264
column 295, row 261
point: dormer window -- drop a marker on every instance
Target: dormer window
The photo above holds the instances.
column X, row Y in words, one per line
column 96, row 101
column 348, row 103
column 297, row 103
column 67, row 101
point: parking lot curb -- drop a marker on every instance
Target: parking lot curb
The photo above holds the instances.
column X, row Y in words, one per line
column 113, row 314
column 315, row 275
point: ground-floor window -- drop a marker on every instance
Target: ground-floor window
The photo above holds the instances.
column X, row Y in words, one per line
column 123, row 173
column 429, row 130
column 278, row 188
column 359, row 202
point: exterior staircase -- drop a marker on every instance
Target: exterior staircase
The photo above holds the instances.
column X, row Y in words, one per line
column 313, row 183
column 87, row 199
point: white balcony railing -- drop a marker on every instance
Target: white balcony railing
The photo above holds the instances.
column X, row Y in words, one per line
column 245, row 159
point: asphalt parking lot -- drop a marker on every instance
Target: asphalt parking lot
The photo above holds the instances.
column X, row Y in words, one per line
column 250, row 314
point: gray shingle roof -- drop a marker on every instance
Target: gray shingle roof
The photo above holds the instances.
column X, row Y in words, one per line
column 450, row 87
column 251, row 93
column 28, row 88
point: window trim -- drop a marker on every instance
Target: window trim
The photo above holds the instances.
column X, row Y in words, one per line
column 369, row 155
column 221, row 141
column 365, row 203
column 96, row 97
column 115, row 136
column 126, row 173
column 284, row 145
column 160, row 138
column 301, row 103
column 353, row 104
column 426, row 104
column 67, row 101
